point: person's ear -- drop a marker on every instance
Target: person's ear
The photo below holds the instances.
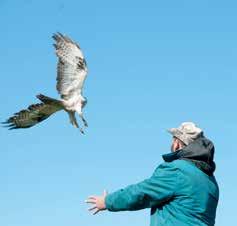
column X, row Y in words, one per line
column 178, row 145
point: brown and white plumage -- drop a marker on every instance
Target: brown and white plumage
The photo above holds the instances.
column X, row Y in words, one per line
column 34, row 114
column 71, row 74
column 72, row 70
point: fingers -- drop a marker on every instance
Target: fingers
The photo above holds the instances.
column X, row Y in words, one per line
column 92, row 208
column 97, row 211
column 98, row 203
column 91, row 199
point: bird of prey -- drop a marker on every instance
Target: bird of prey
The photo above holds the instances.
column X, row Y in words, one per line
column 71, row 74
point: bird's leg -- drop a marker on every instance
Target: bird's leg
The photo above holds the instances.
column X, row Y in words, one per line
column 72, row 118
column 81, row 130
column 73, row 121
column 79, row 111
column 84, row 121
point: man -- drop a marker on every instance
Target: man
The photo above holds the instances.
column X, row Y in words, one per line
column 181, row 192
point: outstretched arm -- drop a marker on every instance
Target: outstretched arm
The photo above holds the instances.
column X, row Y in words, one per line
column 160, row 187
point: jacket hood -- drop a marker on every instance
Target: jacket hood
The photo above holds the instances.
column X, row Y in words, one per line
column 200, row 152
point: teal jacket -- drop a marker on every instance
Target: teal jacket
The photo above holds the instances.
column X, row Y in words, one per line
column 181, row 192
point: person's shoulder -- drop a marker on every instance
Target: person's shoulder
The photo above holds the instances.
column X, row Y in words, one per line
column 188, row 168
column 183, row 164
column 178, row 169
column 167, row 167
column 176, row 165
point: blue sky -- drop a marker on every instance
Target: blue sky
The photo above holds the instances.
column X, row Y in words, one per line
column 152, row 65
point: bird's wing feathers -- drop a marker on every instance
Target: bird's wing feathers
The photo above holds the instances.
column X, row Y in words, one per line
column 71, row 69
column 71, row 74
column 29, row 117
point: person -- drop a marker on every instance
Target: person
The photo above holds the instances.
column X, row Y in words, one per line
column 182, row 191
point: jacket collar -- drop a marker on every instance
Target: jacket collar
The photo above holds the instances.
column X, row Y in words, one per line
column 201, row 152
column 171, row 156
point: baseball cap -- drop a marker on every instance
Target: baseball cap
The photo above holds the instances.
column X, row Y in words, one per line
column 186, row 132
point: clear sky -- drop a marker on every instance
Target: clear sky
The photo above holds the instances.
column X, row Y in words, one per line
column 152, row 65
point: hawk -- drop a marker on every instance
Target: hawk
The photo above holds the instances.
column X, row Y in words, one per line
column 71, row 75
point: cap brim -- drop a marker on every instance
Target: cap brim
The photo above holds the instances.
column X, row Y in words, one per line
column 172, row 131
column 175, row 133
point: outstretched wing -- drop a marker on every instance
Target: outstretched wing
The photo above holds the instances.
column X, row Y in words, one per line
column 29, row 117
column 71, row 69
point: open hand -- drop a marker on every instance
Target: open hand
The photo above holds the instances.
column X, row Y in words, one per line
column 98, row 203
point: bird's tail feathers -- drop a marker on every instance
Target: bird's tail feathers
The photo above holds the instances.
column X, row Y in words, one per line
column 31, row 116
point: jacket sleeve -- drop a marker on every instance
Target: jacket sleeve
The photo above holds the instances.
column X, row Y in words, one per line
column 160, row 187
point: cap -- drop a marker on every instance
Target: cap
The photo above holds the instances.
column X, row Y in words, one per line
column 186, row 132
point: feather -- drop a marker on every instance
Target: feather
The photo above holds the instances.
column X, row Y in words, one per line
column 71, row 69
column 29, row 117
